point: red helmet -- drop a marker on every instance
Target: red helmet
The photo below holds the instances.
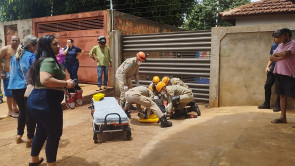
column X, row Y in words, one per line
column 141, row 56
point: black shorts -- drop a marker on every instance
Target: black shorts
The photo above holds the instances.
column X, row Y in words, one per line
column 285, row 85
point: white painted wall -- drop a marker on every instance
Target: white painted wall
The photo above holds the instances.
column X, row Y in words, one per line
column 24, row 28
column 267, row 19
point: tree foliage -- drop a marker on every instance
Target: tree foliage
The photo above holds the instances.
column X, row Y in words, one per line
column 190, row 14
column 170, row 12
column 203, row 16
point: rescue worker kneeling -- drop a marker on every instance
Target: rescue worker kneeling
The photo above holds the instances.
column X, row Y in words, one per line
column 179, row 97
column 174, row 81
column 143, row 96
column 152, row 86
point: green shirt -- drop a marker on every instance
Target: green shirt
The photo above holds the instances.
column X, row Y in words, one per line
column 103, row 59
column 50, row 66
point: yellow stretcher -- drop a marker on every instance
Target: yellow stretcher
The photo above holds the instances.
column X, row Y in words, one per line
column 151, row 119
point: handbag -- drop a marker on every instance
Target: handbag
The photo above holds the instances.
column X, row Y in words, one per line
column 29, row 90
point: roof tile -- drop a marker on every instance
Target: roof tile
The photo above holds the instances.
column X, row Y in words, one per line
column 261, row 7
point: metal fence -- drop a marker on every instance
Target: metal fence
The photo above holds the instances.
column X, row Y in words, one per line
column 185, row 55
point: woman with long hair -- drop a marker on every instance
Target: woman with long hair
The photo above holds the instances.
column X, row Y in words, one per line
column 45, row 100
column 19, row 65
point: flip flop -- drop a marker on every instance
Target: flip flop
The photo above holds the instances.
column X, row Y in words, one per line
column 278, row 121
column 38, row 163
column 14, row 115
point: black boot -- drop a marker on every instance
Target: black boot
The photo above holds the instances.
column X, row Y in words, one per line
column 164, row 122
column 194, row 107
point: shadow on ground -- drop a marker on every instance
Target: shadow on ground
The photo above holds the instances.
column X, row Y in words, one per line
column 235, row 139
column 78, row 161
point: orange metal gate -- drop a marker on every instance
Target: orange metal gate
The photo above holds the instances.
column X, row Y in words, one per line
column 83, row 28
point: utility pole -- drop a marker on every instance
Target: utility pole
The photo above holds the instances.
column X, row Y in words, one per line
column 217, row 4
column 112, row 13
column 51, row 12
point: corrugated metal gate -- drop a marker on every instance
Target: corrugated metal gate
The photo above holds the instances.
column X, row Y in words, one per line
column 182, row 54
column 83, row 28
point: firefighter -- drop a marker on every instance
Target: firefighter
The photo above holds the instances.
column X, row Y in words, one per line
column 174, row 81
column 158, row 99
column 152, row 86
column 144, row 96
column 179, row 97
column 125, row 71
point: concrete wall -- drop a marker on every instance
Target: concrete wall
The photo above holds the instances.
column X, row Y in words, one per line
column 24, row 28
column 267, row 19
column 131, row 25
column 238, row 59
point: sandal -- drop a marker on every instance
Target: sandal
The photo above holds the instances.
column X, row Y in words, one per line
column 278, row 121
column 18, row 139
column 14, row 115
column 29, row 143
column 38, row 163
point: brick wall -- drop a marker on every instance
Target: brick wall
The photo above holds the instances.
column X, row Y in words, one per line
column 131, row 25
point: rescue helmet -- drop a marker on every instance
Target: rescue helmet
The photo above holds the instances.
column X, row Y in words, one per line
column 160, row 86
column 156, row 79
column 165, row 80
column 141, row 56
column 101, row 39
column 151, row 88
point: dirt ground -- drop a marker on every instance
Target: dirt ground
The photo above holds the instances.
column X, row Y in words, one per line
column 221, row 136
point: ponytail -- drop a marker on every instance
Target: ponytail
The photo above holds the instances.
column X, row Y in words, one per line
column 29, row 40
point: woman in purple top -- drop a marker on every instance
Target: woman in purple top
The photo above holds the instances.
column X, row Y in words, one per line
column 61, row 59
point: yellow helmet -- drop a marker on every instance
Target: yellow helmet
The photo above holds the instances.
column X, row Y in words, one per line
column 156, row 79
column 160, row 85
column 151, row 88
column 165, row 80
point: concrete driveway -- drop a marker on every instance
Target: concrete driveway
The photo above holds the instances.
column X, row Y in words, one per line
column 240, row 136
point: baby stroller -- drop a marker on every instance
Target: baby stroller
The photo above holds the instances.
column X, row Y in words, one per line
column 108, row 116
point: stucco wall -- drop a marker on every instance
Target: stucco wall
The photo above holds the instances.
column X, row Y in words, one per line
column 238, row 59
column 267, row 19
column 24, row 28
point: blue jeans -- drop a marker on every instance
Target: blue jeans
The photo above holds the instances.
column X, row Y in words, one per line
column 45, row 106
column 7, row 92
column 102, row 70
column 73, row 71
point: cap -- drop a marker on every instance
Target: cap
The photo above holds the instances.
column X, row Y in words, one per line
column 101, row 39
column 276, row 34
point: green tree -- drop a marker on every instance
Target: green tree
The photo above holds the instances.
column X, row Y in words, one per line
column 170, row 12
column 22, row 9
column 203, row 15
